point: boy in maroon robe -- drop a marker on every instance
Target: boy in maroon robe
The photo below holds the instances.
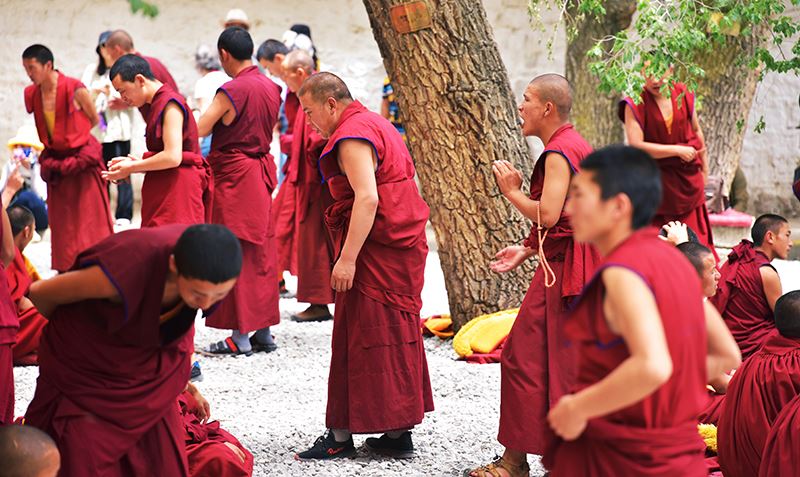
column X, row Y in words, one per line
column 378, row 379
column 781, row 454
column 117, row 350
column 645, row 341
column 9, row 324
column 72, row 158
column 177, row 177
column 537, row 365
column 750, row 285
column 242, row 117
column 761, row 387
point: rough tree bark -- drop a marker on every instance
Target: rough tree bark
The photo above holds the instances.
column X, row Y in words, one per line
column 459, row 112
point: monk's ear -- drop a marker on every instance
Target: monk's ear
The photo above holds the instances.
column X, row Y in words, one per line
column 331, row 103
column 172, row 267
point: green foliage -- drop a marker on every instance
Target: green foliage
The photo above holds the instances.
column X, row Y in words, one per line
column 148, row 9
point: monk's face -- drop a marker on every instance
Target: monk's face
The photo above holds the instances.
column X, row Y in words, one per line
column 532, row 111
column 710, row 277
column 322, row 117
column 132, row 92
column 294, row 79
column 781, row 241
column 36, row 71
column 114, row 53
column 202, row 294
column 591, row 216
column 653, row 82
column 274, row 66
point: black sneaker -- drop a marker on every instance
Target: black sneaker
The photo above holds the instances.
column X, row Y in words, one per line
column 400, row 448
column 326, row 447
column 197, row 374
column 258, row 346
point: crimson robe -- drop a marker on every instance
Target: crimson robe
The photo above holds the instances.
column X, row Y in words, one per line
column 682, row 183
column 537, row 363
column 713, row 409
column 759, row 389
column 244, row 177
column 77, row 201
column 9, row 324
column 110, row 372
column 740, row 298
column 31, row 322
column 283, row 210
column 781, row 454
column 379, row 374
column 656, row 436
column 178, row 195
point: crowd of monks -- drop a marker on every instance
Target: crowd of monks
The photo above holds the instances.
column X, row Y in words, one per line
column 625, row 341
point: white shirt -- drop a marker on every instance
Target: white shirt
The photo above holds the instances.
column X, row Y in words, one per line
column 118, row 122
column 206, row 88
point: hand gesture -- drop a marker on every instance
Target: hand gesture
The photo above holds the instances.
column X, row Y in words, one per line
column 119, row 168
column 509, row 258
column 203, row 408
column 117, row 104
column 686, row 153
column 343, row 274
column 508, row 178
column 15, row 180
column 676, row 233
column 566, row 421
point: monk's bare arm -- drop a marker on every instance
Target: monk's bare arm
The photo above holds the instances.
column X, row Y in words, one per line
column 221, row 106
column 172, row 154
column 699, row 133
column 554, row 192
column 635, row 135
column 71, row 287
column 772, row 285
column 84, row 100
column 7, row 249
column 723, row 353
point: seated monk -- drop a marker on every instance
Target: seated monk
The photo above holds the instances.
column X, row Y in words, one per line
column 27, row 452
column 780, row 456
column 758, row 391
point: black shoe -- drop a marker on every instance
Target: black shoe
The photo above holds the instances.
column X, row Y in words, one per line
column 400, row 448
column 258, row 346
column 197, row 374
column 326, row 447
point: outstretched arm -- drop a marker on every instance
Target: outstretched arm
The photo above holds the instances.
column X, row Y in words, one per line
column 71, row 287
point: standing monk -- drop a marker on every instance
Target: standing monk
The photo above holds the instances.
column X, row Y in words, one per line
column 536, row 365
column 177, row 177
column 646, row 342
column 379, row 375
column 750, row 285
column 72, row 158
column 117, row 350
column 242, row 117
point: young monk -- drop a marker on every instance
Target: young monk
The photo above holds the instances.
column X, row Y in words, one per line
column 117, row 350
column 120, row 43
column 72, row 158
column 646, row 342
column 761, row 387
column 242, row 117
column 379, row 375
column 537, row 366
column 177, row 177
column 750, row 285
column 9, row 324
column 27, row 452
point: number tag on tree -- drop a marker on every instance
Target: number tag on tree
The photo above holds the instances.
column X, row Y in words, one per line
column 410, row 17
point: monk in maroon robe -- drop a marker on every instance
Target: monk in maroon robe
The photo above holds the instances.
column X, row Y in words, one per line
column 176, row 183
column 667, row 128
column 646, row 342
column 537, row 365
column 761, row 387
column 378, row 378
column 117, row 350
column 781, row 454
column 284, row 208
column 9, row 324
column 72, row 159
column 750, row 285
column 242, row 117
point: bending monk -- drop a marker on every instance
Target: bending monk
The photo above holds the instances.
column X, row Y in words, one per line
column 379, row 375
column 646, row 342
column 177, row 177
column 117, row 350
column 72, row 159
column 28, row 452
column 537, row 365
column 750, row 285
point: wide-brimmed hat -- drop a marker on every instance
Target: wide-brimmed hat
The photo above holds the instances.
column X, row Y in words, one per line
column 237, row 16
column 26, row 136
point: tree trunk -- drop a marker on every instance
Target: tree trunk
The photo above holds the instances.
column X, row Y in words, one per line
column 459, row 114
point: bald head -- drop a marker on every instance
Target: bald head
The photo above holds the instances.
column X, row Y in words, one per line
column 299, row 59
column 27, row 452
column 555, row 89
column 322, row 86
column 122, row 39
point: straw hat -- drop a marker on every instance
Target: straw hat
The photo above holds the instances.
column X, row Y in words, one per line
column 26, row 136
column 237, row 17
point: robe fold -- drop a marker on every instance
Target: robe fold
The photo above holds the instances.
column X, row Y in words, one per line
column 781, row 454
column 379, row 374
column 759, row 389
column 537, row 363
column 77, row 201
column 244, row 176
column 656, row 436
column 31, row 322
column 283, row 210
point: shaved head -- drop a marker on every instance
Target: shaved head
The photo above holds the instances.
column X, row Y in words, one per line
column 787, row 314
column 299, row 59
column 27, row 452
column 555, row 89
column 122, row 39
column 322, row 86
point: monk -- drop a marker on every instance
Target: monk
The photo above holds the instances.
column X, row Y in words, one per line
column 780, row 456
column 646, row 342
column 176, row 182
column 761, row 387
column 378, row 380
column 536, row 364
column 9, row 324
column 242, row 117
column 27, row 452
column 72, row 159
column 667, row 127
column 117, row 350
column 313, row 250
column 750, row 285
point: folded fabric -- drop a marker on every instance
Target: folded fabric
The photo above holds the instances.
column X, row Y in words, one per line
column 483, row 334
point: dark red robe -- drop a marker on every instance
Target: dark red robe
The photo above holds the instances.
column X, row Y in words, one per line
column 244, row 177
column 31, row 322
column 740, row 298
column 178, row 195
column 283, row 210
column 9, row 324
column 77, row 201
column 683, row 183
column 781, row 454
column 110, row 373
column 657, row 436
column 758, row 391
column 379, row 374
column 537, row 364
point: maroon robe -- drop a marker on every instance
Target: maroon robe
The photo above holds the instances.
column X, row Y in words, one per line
column 31, row 322
column 781, row 454
column 109, row 373
column 379, row 374
column 683, row 183
column 178, row 195
column 537, row 364
column 656, row 436
column 9, row 324
column 283, row 211
column 740, row 298
column 244, row 177
column 758, row 391
column 77, row 201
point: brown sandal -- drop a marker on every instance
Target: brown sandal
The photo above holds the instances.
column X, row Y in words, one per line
column 490, row 470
